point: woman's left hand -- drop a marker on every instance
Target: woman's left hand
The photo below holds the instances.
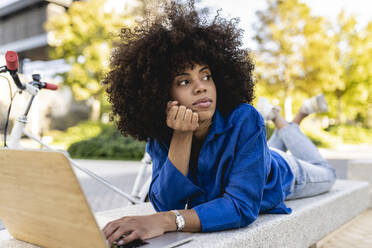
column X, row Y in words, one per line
column 134, row 227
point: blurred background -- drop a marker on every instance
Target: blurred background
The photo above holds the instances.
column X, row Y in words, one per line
column 301, row 48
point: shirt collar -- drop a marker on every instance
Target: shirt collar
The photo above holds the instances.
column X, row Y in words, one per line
column 219, row 125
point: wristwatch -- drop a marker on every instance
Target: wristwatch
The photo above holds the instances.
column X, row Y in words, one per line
column 180, row 221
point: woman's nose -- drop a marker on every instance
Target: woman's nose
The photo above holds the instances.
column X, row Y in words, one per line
column 199, row 87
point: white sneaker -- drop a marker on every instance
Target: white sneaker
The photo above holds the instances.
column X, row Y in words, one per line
column 316, row 104
column 266, row 109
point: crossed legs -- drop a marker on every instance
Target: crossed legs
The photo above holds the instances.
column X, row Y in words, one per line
column 313, row 175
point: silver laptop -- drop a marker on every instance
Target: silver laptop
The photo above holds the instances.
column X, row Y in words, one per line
column 41, row 202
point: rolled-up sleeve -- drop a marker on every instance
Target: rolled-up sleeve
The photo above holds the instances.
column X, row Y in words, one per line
column 169, row 188
column 240, row 203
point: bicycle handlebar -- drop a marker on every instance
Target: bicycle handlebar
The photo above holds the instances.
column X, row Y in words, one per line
column 50, row 86
column 11, row 58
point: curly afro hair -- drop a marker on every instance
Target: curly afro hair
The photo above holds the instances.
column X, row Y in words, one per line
column 144, row 63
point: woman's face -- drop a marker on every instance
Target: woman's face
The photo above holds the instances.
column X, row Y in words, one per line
column 195, row 89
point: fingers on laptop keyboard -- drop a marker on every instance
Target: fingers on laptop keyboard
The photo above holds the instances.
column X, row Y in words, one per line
column 132, row 244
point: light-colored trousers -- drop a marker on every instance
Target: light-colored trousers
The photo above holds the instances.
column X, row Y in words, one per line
column 313, row 175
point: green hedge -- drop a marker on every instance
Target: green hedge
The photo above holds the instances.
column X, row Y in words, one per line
column 108, row 144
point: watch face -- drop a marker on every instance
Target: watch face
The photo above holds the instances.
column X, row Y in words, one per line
column 180, row 221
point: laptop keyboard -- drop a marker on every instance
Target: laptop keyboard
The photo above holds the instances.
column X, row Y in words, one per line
column 134, row 243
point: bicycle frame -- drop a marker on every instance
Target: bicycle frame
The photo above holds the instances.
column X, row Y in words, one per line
column 138, row 194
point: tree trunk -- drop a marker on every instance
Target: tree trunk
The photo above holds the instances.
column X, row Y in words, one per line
column 288, row 108
column 288, row 101
column 96, row 110
column 368, row 121
column 339, row 106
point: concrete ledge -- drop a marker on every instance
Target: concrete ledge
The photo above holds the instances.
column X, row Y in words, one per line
column 361, row 170
column 311, row 220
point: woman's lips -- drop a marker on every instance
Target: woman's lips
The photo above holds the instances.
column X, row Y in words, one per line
column 203, row 104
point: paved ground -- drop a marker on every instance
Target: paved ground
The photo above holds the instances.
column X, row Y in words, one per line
column 357, row 233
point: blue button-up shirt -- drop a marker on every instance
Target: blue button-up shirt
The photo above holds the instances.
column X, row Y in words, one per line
column 237, row 175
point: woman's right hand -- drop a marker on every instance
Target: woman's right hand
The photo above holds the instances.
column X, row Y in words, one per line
column 180, row 118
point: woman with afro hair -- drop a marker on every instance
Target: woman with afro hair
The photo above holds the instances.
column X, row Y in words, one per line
column 185, row 86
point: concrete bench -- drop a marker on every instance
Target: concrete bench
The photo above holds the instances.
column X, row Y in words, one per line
column 354, row 169
column 340, row 157
column 361, row 170
column 312, row 219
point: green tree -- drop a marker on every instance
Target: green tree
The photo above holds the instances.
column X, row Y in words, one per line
column 84, row 36
column 357, row 77
column 346, row 38
column 367, row 62
column 301, row 55
column 321, row 70
column 280, row 36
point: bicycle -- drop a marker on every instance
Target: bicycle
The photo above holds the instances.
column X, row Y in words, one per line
column 138, row 195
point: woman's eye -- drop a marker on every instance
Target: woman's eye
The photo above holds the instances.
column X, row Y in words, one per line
column 207, row 77
column 183, row 82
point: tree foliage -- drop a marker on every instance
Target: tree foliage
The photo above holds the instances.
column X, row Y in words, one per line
column 280, row 38
column 301, row 55
column 84, row 35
